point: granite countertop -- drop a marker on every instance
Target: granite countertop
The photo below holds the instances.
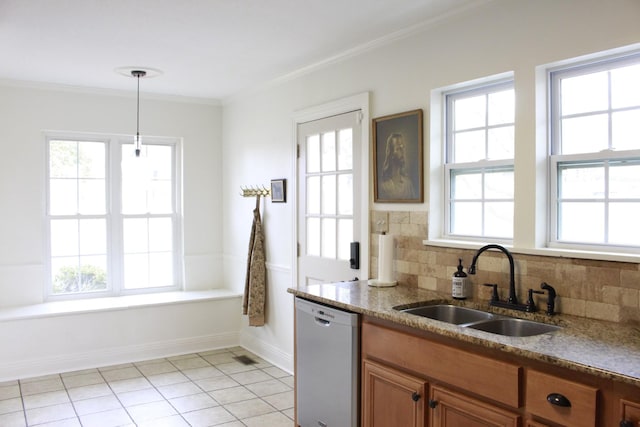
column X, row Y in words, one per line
column 605, row 349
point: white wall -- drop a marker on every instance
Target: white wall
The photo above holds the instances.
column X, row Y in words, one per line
column 501, row 36
column 38, row 344
column 254, row 158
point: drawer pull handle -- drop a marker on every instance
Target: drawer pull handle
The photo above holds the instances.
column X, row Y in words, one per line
column 433, row 404
column 559, row 400
column 415, row 396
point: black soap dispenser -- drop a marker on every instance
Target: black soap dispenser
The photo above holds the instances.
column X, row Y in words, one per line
column 459, row 283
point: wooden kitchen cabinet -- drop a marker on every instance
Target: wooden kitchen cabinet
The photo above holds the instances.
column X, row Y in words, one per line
column 494, row 380
column 629, row 413
column 453, row 409
column 398, row 368
column 469, row 385
column 391, row 398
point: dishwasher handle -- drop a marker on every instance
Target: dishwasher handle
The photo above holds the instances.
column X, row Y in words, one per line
column 322, row 322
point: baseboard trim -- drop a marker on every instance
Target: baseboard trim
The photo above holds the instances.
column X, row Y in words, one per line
column 267, row 351
column 34, row 367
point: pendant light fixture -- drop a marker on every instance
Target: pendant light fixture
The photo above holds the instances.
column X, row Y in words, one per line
column 137, row 142
column 138, row 72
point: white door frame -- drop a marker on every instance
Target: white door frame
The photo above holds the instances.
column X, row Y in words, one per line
column 340, row 106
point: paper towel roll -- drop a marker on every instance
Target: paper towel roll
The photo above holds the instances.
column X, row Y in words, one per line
column 385, row 263
column 385, row 258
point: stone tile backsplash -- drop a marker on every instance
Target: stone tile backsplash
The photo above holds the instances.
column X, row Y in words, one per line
column 603, row 290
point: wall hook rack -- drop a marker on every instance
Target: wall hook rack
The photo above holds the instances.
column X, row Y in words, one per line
column 254, row 191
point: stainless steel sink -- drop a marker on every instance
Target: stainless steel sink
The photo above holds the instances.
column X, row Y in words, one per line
column 450, row 313
column 481, row 320
column 514, row 327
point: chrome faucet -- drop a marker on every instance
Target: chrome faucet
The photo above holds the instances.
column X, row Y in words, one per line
column 512, row 302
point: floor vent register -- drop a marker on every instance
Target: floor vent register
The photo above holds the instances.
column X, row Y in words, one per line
column 245, row 360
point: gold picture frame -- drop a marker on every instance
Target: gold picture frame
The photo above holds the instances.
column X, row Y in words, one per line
column 397, row 158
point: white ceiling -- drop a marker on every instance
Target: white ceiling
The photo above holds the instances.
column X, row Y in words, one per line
column 204, row 48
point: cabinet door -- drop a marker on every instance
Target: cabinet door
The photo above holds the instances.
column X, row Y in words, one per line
column 630, row 413
column 564, row 402
column 391, row 398
column 452, row 409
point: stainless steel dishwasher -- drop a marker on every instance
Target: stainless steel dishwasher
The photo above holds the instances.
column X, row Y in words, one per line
column 327, row 369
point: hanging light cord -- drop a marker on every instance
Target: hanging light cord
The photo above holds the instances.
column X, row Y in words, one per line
column 138, row 74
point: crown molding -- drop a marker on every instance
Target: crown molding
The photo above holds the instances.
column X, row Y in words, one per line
column 26, row 84
column 357, row 51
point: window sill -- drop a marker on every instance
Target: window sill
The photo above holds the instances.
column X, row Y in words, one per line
column 61, row 308
column 549, row 252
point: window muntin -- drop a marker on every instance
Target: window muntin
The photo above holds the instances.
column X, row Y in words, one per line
column 595, row 154
column 479, row 162
column 329, row 194
column 113, row 219
column 77, row 177
column 147, row 216
column 78, row 216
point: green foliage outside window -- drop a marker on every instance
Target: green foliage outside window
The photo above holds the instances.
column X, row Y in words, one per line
column 87, row 278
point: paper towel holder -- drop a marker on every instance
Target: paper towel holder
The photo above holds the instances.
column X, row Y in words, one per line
column 381, row 283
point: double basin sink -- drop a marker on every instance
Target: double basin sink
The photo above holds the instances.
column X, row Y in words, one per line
column 481, row 320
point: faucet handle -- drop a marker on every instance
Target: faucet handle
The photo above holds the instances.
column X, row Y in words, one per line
column 531, row 305
column 551, row 302
column 494, row 293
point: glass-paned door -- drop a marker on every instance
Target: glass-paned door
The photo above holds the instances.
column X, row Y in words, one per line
column 328, row 203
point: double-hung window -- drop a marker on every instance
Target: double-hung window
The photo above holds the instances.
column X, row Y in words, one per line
column 479, row 180
column 113, row 219
column 595, row 155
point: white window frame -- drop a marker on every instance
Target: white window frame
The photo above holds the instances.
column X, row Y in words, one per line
column 114, row 217
column 532, row 165
column 554, row 77
column 484, row 87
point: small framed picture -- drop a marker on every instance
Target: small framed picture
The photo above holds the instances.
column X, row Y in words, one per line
column 279, row 190
column 397, row 158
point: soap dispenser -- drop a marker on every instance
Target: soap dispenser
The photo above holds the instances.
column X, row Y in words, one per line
column 459, row 284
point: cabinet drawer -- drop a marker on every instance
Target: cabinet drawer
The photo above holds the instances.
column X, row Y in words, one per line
column 492, row 379
column 579, row 400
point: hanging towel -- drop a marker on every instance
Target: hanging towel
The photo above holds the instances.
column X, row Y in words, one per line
column 255, row 286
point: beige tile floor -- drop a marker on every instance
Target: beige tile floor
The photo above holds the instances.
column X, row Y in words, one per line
column 204, row 389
